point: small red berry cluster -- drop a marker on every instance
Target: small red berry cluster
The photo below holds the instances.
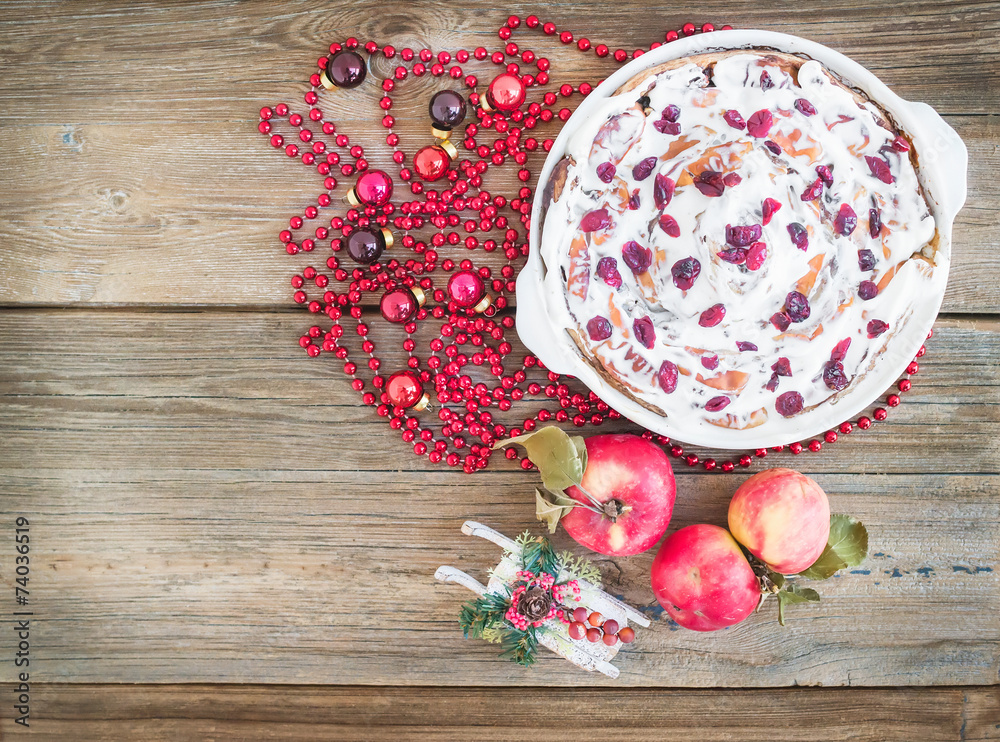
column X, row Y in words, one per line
column 595, row 627
column 471, row 324
column 546, row 582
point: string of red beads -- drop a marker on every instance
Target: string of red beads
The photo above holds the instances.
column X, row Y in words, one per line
column 469, row 315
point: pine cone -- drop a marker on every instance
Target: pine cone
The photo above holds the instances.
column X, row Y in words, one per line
column 534, row 604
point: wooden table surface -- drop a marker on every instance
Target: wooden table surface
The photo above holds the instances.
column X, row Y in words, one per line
column 227, row 545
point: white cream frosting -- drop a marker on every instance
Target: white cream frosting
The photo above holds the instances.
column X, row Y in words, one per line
column 840, row 135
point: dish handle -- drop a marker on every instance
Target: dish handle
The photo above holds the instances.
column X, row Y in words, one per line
column 942, row 152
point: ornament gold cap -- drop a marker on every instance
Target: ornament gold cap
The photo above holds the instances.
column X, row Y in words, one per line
column 422, row 403
column 439, row 133
column 419, row 294
column 484, row 103
column 387, row 236
column 352, row 197
column 326, row 81
column 448, row 147
column 483, row 304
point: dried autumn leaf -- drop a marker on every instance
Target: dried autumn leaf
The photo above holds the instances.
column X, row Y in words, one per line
column 561, row 460
column 550, row 507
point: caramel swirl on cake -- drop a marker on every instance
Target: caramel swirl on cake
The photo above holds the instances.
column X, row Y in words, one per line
column 735, row 237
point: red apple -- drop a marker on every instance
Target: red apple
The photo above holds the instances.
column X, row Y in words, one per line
column 633, row 481
column 782, row 517
column 702, row 579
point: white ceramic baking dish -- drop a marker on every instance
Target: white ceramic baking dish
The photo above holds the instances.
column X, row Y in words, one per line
column 942, row 162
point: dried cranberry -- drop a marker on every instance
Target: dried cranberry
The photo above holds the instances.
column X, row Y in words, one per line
column 644, row 169
column 606, row 171
column 667, row 376
column 685, row 272
column 799, row 235
column 759, row 123
column 732, row 179
column 742, row 236
column 780, row 321
column 669, row 225
column 834, row 376
column 788, row 404
column 599, row 328
column 644, row 331
column 734, row 255
column 772, row 383
column 766, row 83
column 769, row 208
column 667, row 127
column 900, row 144
column 867, row 290
column 797, row 306
column 812, row 192
column 825, row 174
column 756, row 256
column 710, row 183
column 607, row 269
column 670, row 113
column 876, row 327
column 744, row 346
column 805, row 107
column 874, row 223
column 715, row 404
column 595, row 220
column 637, row 257
column 663, row 190
column 880, row 169
column 710, row 362
column 782, row 367
column 633, row 201
column 734, row 119
column 773, row 146
column 866, row 260
column 846, row 220
column 839, row 351
column 712, row 316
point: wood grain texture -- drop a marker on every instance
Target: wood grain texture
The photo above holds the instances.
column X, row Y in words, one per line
column 179, row 713
column 166, row 193
column 199, row 487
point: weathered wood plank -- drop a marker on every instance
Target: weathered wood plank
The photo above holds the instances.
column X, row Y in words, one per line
column 185, row 712
column 207, row 62
column 107, row 387
column 167, row 195
column 209, row 505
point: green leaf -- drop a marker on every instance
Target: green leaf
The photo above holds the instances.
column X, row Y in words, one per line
column 550, row 507
column 846, row 547
column 791, row 594
column 556, row 455
column 580, row 568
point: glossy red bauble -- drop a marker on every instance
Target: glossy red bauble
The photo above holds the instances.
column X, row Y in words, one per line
column 506, row 93
column 374, row 188
column 401, row 304
column 432, row 162
column 467, row 290
column 405, row 389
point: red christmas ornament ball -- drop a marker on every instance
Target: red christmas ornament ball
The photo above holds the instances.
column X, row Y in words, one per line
column 467, row 290
column 374, row 188
column 431, row 162
column 405, row 389
column 401, row 304
column 506, row 93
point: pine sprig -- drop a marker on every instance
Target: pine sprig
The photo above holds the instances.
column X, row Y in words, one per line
column 520, row 647
column 483, row 613
column 537, row 555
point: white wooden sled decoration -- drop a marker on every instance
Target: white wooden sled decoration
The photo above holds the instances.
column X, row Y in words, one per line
column 507, row 581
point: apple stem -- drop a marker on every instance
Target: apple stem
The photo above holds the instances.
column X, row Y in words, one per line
column 598, row 505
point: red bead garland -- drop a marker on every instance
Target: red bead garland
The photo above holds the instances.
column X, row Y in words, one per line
column 463, row 216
